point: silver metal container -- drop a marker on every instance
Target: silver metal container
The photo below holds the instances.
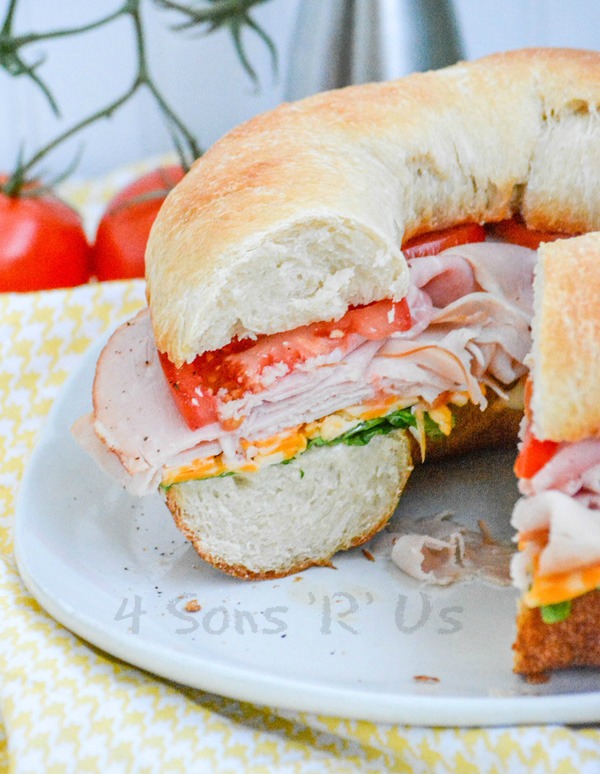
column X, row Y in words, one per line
column 339, row 42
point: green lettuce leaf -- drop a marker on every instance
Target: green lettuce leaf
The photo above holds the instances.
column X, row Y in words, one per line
column 362, row 433
column 556, row 613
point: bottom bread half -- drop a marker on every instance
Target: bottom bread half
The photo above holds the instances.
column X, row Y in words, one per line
column 542, row 647
column 286, row 518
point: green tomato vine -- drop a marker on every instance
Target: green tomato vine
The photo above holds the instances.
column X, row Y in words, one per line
column 203, row 17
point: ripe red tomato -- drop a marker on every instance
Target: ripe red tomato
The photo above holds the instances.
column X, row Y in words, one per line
column 534, row 454
column 125, row 226
column 237, row 366
column 434, row 242
column 42, row 243
column 377, row 320
column 195, row 402
column 516, row 232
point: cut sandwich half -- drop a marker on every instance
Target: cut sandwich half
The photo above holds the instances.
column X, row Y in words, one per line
column 310, row 335
column 274, row 453
column 558, row 519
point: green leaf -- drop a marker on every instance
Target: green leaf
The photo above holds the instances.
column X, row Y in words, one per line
column 166, row 487
column 432, row 428
column 555, row 613
column 402, row 418
column 233, row 15
column 365, row 431
column 363, row 438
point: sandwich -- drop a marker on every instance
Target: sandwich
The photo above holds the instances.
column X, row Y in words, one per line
column 325, row 308
column 558, row 517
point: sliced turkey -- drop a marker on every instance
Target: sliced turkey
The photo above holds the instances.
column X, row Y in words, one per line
column 479, row 335
column 573, row 537
column 574, row 469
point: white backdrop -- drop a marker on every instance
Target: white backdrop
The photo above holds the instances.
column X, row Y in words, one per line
column 202, row 77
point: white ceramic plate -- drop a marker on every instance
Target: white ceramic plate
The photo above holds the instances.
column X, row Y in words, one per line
column 347, row 641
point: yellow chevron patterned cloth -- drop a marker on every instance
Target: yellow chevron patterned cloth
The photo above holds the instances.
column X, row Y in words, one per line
column 67, row 707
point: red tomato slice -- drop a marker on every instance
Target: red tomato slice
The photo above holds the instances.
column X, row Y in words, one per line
column 197, row 408
column 118, row 252
column 377, row 321
column 42, row 244
column 516, row 232
column 436, row 241
column 533, row 455
column 237, row 367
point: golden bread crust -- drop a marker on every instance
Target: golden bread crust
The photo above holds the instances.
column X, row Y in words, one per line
column 542, row 647
column 244, row 573
column 566, row 340
column 301, row 212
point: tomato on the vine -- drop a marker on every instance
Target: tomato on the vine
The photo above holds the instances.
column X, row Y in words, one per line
column 42, row 242
column 118, row 252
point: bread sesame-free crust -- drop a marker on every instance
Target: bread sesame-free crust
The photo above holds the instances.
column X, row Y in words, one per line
column 300, row 212
column 542, row 647
column 566, row 340
column 565, row 405
column 244, row 573
column 286, row 518
column 475, row 429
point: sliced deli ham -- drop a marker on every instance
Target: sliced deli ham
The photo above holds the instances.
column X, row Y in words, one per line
column 437, row 361
column 503, row 270
column 573, row 539
column 441, row 551
column 444, row 278
column 479, row 335
column 134, row 414
column 482, row 332
column 574, row 469
column 559, row 518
